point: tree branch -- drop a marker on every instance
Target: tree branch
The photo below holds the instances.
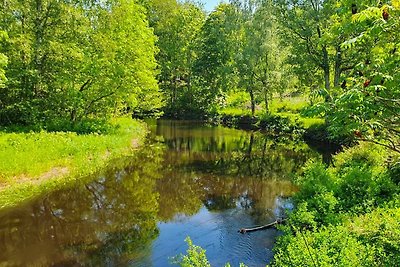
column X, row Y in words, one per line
column 86, row 85
column 94, row 101
column 393, row 147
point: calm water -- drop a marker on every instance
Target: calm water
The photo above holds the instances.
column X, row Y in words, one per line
column 191, row 180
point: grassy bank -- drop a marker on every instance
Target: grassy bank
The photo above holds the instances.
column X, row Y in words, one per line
column 35, row 162
column 289, row 108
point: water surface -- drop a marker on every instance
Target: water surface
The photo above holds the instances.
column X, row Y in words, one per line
column 190, row 180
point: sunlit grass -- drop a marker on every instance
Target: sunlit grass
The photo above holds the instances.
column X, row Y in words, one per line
column 30, row 160
column 306, row 122
column 288, row 104
column 289, row 107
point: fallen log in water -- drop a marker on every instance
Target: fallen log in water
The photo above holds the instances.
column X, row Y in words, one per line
column 263, row 227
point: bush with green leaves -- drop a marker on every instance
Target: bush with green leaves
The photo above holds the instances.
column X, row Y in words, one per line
column 367, row 240
column 347, row 214
column 196, row 257
column 358, row 182
column 280, row 124
column 367, row 105
column 334, row 246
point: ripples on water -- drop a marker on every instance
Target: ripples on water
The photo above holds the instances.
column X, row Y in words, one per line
column 197, row 181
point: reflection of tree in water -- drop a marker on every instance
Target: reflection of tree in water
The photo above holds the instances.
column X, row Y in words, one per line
column 220, row 202
column 249, row 193
column 247, row 171
column 184, row 193
column 180, row 193
column 262, row 158
column 247, row 155
column 103, row 222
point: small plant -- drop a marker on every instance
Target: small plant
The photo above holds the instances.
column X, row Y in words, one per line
column 195, row 257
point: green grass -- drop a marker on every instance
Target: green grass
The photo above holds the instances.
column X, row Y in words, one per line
column 238, row 111
column 307, row 122
column 288, row 104
column 289, row 107
column 31, row 163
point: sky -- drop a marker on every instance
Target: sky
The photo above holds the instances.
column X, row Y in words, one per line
column 210, row 4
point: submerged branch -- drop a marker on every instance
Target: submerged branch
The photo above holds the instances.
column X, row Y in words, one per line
column 263, row 227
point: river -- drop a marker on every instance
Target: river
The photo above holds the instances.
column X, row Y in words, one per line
column 205, row 182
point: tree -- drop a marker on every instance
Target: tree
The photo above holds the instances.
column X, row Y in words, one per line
column 177, row 30
column 215, row 66
column 368, row 108
column 307, row 25
column 119, row 68
column 260, row 60
column 76, row 60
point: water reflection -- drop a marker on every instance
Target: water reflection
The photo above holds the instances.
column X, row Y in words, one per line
column 103, row 222
column 206, row 182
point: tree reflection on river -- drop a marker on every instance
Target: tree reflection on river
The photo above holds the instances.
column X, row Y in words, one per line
column 201, row 181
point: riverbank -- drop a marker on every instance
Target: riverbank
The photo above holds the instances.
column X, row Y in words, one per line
column 346, row 214
column 312, row 130
column 289, row 108
column 37, row 162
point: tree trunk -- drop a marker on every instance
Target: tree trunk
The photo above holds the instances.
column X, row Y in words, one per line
column 37, row 45
column 338, row 67
column 253, row 102
column 266, row 102
column 174, row 89
column 73, row 116
column 263, row 227
column 326, row 73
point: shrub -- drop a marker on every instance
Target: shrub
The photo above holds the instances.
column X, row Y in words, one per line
column 357, row 183
column 347, row 214
column 381, row 229
column 329, row 246
column 195, row 257
column 280, row 124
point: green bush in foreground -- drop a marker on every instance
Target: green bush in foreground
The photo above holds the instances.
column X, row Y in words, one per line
column 358, row 182
column 196, row 256
column 367, row 240
column 346, row 215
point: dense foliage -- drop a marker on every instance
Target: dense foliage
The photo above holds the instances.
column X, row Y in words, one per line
column 367, row 105
column 204, row 59
column 347, row 214
column 72, row 60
